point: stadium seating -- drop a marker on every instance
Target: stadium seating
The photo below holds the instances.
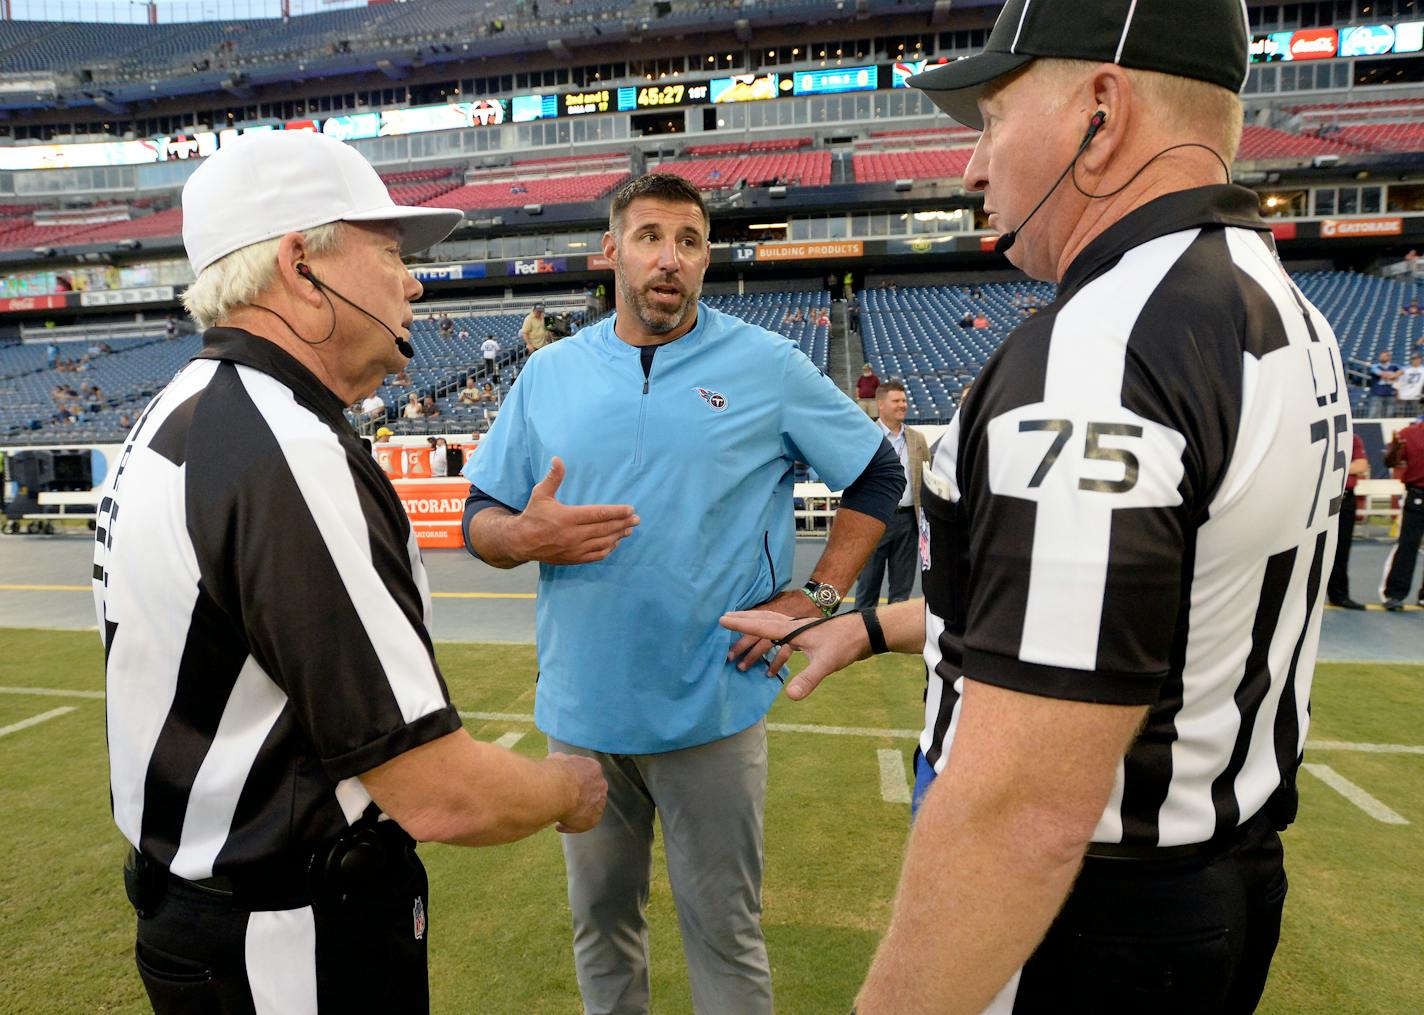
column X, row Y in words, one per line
column 800, row 169
column 915, row 164
column 775, row 144
column 512, row 194
column 912, row 333
column 1270, row 143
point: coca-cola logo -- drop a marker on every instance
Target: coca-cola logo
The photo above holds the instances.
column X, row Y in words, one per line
column 1314, row 44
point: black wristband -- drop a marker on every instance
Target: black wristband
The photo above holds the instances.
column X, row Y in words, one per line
column 875, row 632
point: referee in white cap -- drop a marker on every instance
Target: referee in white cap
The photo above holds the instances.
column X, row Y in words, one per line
column 1129, row 529
column 279, row 732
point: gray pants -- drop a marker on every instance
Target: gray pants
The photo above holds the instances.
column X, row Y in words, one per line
column 711, row 801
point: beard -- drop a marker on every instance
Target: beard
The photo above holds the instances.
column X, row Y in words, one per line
column 656, row 319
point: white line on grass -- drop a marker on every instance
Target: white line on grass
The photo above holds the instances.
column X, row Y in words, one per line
column 35, row 720
column 777, row 727
column 49, row 692
column 894, row 788
column 1355, row 795
column 1340, row 745
column 509, row 739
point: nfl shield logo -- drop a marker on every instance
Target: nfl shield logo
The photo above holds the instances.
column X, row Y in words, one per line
column 716, row 399
column 419, row 918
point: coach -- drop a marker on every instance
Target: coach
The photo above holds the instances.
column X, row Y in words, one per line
column 1131, row 524
column 279, row 731
column 694, row 419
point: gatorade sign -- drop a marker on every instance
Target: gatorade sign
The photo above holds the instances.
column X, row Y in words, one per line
column 435, row 507
column 1338, row 229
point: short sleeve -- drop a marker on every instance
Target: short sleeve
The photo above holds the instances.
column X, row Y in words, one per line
column 822, row 427
column 501, row 465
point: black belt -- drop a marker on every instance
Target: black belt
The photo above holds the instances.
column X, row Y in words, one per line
column 1258, row 825
column 352, row 862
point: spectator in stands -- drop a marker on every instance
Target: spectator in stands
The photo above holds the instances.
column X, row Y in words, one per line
column 1410, row 309
column 412, row 408
column 429, row 407
column 633, row 668
column 170, row 328
column 401, row 379
column 488, row 395
column 489, row 349
column 866, row 385
column 533, row 330
column 125, row 421
column 967, row 321
column 792, row 316
column 447, row 326
column 463, row 334
column 853, row 312
column 1409, row 386
column 51, row 355
column 470, row 393
column 980, row 322
column 384, row 435
column 897, row 550
column 373, row 406
column 1382, row 377
column 1338, row 588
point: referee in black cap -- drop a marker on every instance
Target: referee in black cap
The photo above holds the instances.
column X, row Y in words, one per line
column 279, row 732
column 1129, row 530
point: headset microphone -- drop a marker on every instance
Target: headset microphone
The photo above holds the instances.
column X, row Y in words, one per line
column 1002, row 245
column 406, row 349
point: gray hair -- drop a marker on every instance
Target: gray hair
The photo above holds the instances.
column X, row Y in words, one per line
column 236, row 279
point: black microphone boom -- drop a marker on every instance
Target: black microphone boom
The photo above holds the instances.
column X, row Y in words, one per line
column 1003, row 243
column 406, row 349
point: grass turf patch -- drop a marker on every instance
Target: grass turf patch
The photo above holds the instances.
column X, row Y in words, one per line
column 499, row 921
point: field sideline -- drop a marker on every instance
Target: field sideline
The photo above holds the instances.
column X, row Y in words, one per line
column 1351, row 942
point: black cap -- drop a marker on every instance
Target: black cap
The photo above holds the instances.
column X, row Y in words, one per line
column 1207, row 40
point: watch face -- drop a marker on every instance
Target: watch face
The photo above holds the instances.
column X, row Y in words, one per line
column 827, row 596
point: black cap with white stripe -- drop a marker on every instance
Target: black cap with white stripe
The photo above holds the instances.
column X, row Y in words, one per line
column 1207, row 40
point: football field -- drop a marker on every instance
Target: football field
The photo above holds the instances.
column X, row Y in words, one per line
column 837, row 817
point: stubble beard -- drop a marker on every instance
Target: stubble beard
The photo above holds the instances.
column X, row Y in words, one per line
column 654, row 319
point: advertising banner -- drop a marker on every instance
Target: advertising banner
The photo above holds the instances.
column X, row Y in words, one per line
column 809, row 251
column 435, row 508
column 537, row 266
column 842, row 79
column 745, row 88
column 1366, row 40
column 126, row 297
column 21, row 304
column 1345, row 228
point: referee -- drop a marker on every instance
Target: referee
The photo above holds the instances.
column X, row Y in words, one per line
column 1130, row 529
column 279, row 732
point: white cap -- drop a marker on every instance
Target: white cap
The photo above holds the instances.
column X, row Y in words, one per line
column 262, row 186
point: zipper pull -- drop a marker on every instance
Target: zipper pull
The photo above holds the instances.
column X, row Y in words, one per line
column 645, row 385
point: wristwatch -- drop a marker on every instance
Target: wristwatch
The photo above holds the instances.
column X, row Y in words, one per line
column 826, row 598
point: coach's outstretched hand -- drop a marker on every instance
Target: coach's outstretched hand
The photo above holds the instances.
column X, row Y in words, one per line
column 828, row 647
column 555, row 533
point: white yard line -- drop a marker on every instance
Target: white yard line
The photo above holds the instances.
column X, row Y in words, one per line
column 894, row 786
column 35, row 720
column 1340, row 745
column 509, row 739
column 48, row 692
column 1355, row 794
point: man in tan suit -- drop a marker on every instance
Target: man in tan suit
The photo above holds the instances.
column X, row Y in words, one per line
column 897, row 547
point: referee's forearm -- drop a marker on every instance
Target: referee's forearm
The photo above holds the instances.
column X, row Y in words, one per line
column 460, row 790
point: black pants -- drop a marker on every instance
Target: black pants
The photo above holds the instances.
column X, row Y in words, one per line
column 1166, row 938
column 1338, row 588
column 1411, row 531
column 203, row 954
column 898, row 548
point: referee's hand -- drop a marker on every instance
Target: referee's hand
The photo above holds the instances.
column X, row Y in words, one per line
column 828, row 647
column 591, row 789
column 554, row 533
column 792, row 602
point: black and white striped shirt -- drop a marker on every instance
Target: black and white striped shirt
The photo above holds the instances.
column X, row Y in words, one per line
column 264, row 611
column 1136, row 506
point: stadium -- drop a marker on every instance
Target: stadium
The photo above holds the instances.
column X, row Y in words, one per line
column 840, row 219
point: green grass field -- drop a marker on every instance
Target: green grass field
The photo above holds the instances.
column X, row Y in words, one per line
column 1352, row 938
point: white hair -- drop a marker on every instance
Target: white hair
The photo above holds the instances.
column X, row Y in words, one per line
column 236, row 279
